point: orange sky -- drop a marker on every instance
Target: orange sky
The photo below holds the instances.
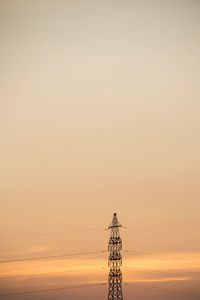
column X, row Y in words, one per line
column 99, row 112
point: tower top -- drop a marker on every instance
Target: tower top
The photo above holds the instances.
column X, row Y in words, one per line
column 115, row 223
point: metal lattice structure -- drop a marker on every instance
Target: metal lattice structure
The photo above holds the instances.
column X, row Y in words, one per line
column 115, row 261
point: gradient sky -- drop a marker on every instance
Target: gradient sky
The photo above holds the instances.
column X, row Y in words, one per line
column 99, row 113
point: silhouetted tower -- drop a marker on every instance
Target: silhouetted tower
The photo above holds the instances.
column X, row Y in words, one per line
column 115, row 261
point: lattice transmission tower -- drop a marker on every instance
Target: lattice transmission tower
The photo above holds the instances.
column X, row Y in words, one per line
column 115, row 261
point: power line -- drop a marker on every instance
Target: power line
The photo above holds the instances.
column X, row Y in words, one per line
column 49, row 234
column 140, row 231
column 162, row 258
column 50, row 289
column 99, row 268
column 165, row 290
column 136, row 285
column 50, row 257
column 50, row 273
column 164, row 234
column 165, row 272
column 158, row 257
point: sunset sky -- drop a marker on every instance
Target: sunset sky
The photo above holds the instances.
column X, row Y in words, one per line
column 99, row 113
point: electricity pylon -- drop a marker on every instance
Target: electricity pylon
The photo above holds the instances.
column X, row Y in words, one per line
column 115, row 261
